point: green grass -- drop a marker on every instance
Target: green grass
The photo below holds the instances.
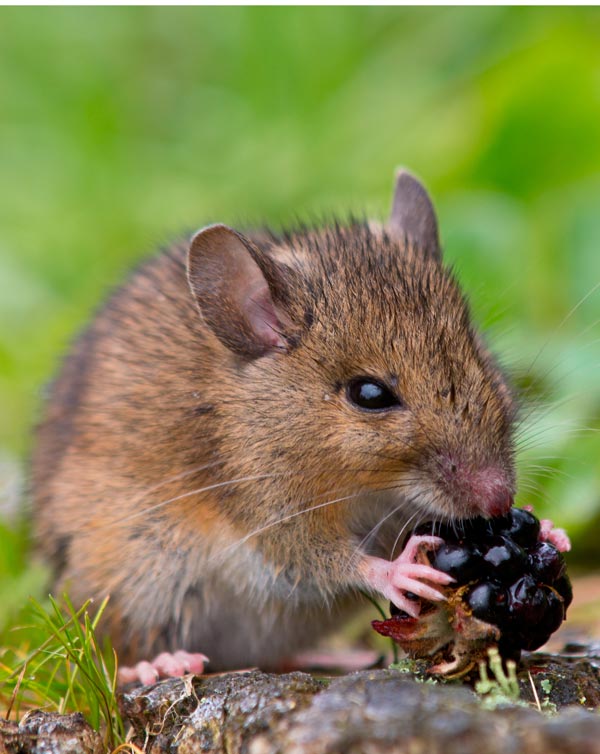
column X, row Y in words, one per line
column 60, row 666
column 123, row 126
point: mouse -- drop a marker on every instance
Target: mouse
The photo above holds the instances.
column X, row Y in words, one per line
column 240, row 441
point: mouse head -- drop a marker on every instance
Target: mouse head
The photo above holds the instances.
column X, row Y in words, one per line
column 351, row 363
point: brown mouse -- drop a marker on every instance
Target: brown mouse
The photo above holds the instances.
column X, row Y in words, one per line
column 241, row 438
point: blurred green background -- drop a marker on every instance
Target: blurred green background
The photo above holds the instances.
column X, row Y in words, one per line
column 121, row 127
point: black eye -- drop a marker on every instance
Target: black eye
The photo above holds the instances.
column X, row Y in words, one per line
column 370, row 394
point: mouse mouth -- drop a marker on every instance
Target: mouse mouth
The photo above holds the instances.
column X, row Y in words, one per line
column 384, row 518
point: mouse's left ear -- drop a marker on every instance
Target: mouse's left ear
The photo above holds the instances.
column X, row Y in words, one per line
column 239, row 291
column 413, row 215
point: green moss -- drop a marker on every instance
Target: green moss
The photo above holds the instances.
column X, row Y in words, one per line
column 502, row 687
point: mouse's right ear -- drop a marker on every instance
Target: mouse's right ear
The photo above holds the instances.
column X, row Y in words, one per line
column 413, row 215
column 237, row 289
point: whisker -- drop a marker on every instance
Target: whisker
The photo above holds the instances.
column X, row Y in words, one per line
column 373, row 531
column 174, row 478
column 401, row 532
column 564, row 320
column 295, row 514
column 198, row 491
column 538, row 412
column 283, row 519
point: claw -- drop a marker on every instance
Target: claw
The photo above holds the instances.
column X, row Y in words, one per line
column 421, row 590
column 403, row 603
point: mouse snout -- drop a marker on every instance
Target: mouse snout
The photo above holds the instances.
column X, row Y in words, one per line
column 495, row 498
column 485, row 491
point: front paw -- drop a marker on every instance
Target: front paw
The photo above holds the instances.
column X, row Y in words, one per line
column 393, row 579
column 557, row 537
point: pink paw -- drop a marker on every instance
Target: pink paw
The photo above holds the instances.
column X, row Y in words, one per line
column 393, row 579
column 558, row 537
column 165, row 665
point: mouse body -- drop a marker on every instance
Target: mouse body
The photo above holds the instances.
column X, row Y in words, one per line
column 239, row 441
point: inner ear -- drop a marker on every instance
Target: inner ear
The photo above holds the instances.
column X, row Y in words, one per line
column 228, row 277
column 413, row 216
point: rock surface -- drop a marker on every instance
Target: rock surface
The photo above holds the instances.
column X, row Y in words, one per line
column 572, row 677
column 222, row 713
column 49, row 733
column 370, row 712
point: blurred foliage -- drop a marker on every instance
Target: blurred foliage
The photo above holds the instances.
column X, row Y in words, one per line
column 120, row 127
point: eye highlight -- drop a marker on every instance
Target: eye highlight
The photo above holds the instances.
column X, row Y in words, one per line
column 370, row 394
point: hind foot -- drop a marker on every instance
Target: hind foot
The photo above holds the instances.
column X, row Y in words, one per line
column 165, row 665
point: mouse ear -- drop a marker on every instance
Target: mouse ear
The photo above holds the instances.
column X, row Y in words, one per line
column 413, row 214
column 234, row 285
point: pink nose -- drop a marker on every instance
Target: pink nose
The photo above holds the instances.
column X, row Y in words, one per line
column 497, row 503
column 491, row 492
column 486, row 491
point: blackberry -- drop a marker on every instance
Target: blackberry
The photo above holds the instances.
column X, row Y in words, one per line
column 505, row 577
column 462, row 562
column 520, row 526
column 489, row 602
column 546, row 563
column 516, row 582
column 555, row 612
column 564, row 589
column 527, row 603
column 504, row 559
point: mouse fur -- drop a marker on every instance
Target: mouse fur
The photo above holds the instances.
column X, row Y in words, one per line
column 199, row 459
